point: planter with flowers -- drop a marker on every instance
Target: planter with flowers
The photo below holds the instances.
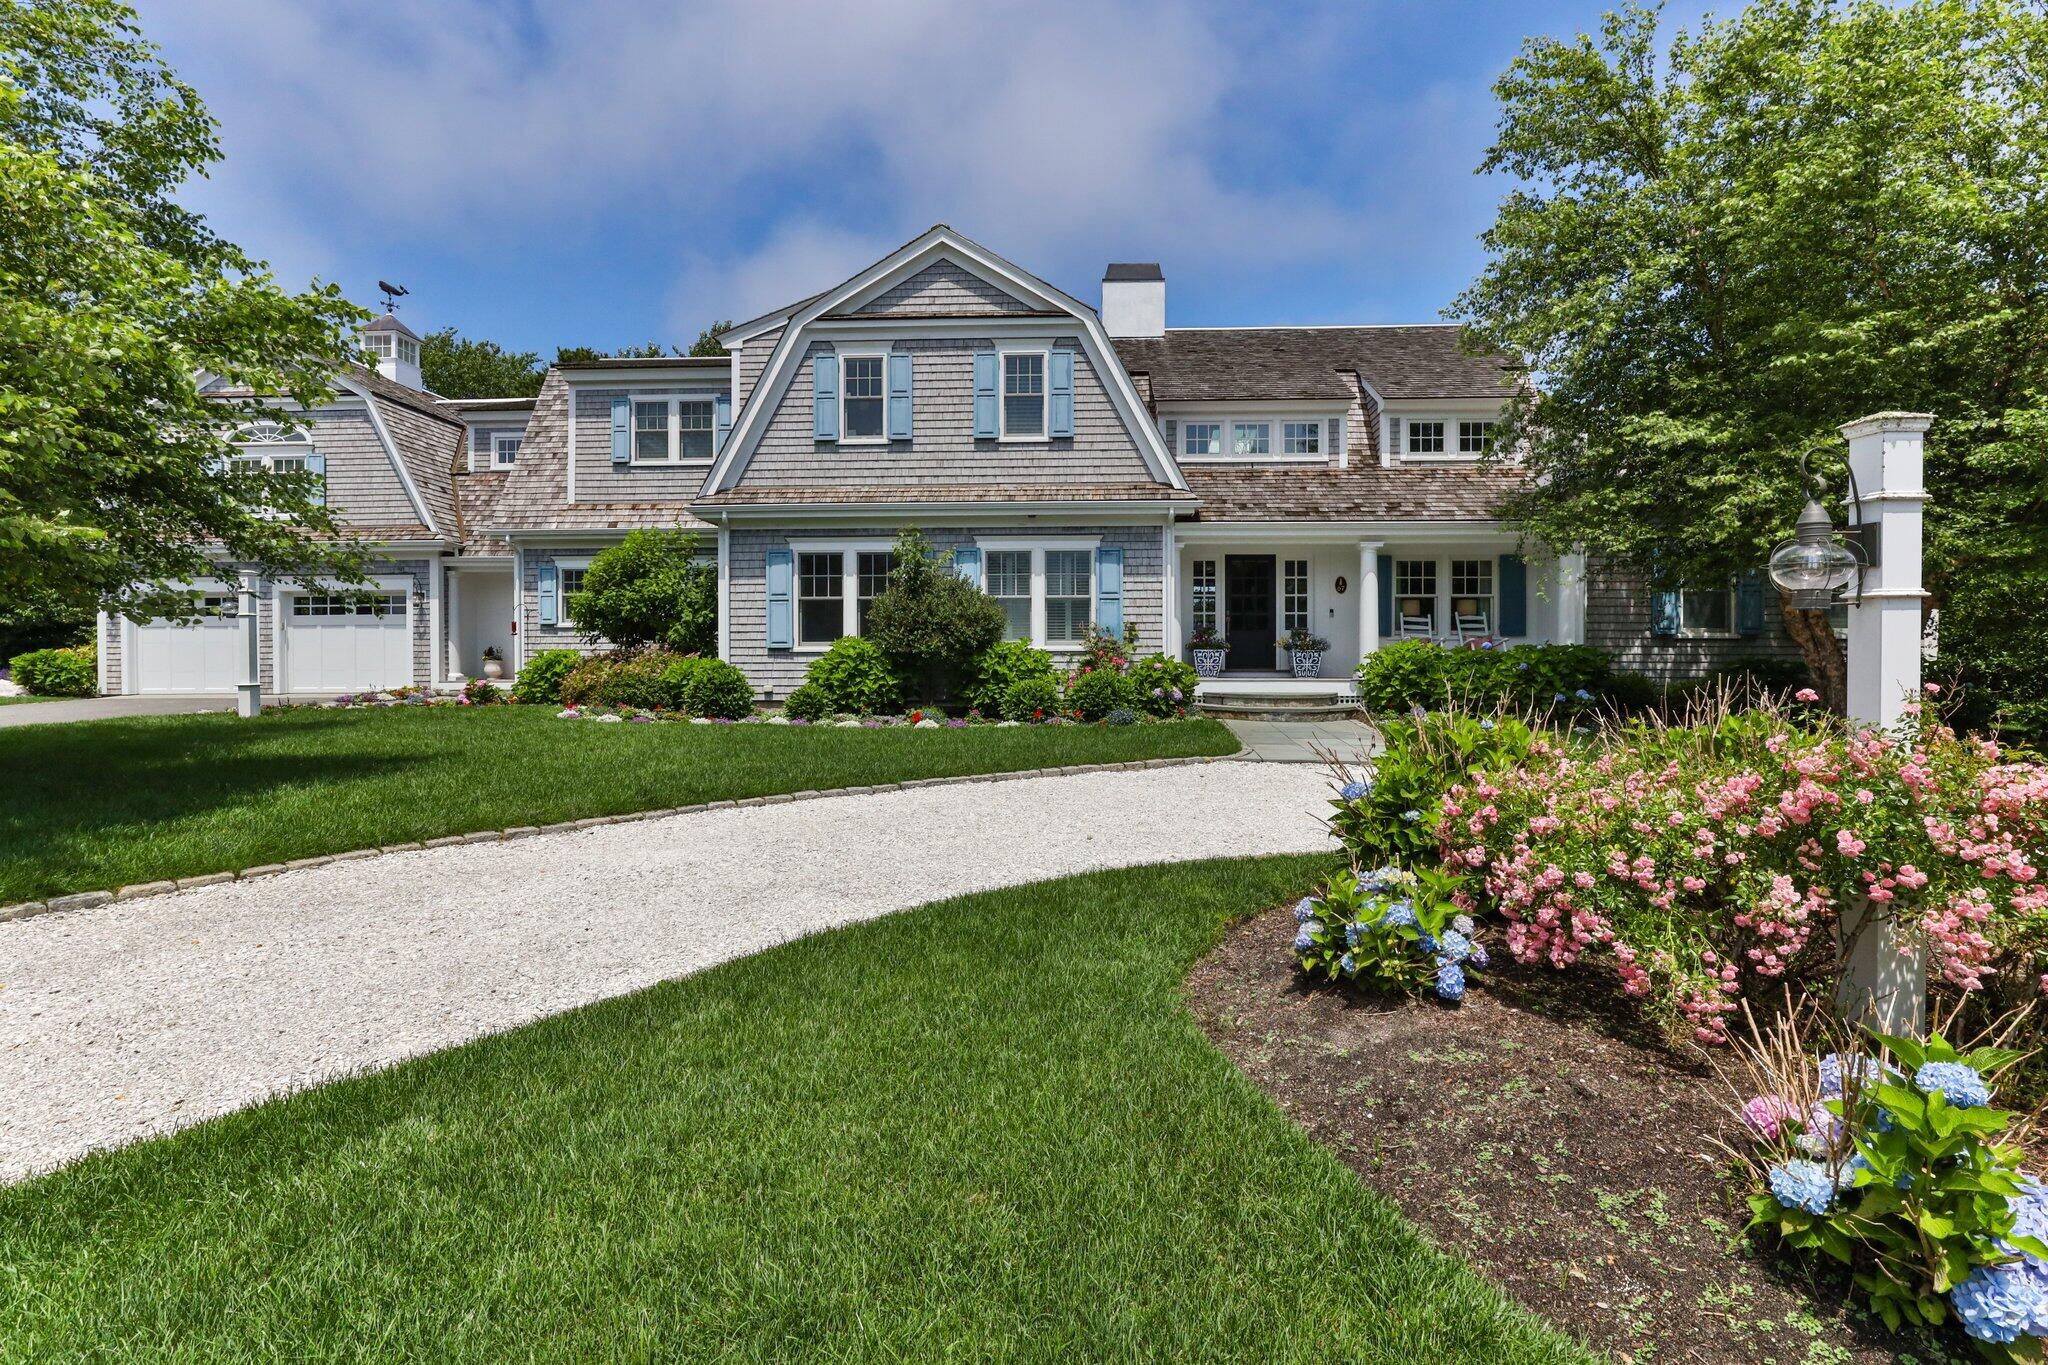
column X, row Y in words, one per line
column 1209, row 651
column 1307, row 651
column 494, row 662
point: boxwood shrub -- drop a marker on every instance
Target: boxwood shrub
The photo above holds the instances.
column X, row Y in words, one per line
column 1407, row 673
column 807, row 702
column 718, row 689
column 1095, row 692
column 1033, row 697
column 1001, row 667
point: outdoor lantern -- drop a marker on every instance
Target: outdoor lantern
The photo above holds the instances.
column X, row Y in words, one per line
column 1816, row 564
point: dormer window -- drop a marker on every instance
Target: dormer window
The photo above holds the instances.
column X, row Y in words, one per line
column 1425, row 438
column 861, row 403
column 1302, row 438
column 1251, row 438
column 505, row 449
column 1475, row 438
column 650, row 429
column 1202, row 438
column 1023, row 394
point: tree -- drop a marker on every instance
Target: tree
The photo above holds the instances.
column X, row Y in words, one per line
column 454, row 366
column 930, row 623
column 115, row 301
column 707, row 342
column 1726, row 246
column 651, row 589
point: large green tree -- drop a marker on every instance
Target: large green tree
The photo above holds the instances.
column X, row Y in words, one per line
column 1727, row 243
column 115, row 303
column 456, row 366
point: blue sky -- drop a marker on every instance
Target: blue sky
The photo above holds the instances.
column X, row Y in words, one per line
column 613, row 172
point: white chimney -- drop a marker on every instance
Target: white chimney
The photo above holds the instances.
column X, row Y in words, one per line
column 1134, row 299
column 395, row 348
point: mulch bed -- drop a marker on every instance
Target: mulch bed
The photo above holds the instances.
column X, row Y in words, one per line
column 1540, row 1134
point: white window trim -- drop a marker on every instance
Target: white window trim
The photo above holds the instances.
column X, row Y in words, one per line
column 563, row 621
column 849, row 552
column 863, row 353
column 1686, row 632
column 675, row 431
column 1044, row 353
column 1457, row 438
column 1276, row 438
column 498, row 439
column 1448, row 455
column 1038, row 545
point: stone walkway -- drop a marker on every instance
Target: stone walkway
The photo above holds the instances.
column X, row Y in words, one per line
column 143, row 1016
column 1296, row 741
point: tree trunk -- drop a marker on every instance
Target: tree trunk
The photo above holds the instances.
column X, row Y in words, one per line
column 1815, row 637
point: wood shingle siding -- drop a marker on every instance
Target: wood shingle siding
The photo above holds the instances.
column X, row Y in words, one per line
column 943, row 287
column 535, row 494
column 944, row 450
column 557, row 636
column 362, row 486
column 599, row 480
column 1618, row 621
column 747, row 364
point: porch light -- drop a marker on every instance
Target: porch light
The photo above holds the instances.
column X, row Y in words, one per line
column 1816, row 564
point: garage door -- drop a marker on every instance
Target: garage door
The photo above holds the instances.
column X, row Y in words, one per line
column 337, row 643
column 202, row 656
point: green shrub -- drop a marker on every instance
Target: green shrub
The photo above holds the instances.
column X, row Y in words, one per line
column 1001, row 667
column 1121, row 717
column 931, row 624
column 807, row 702
column 720, row 690
column 1390, row 817
column 855, row 676
column 1401, row 674
column 1408, row 673
column 1164, row 687
column 540, row 681
column 651, row 589
column 674, row 685
column 1765, row 673
column 58, row 672
column 648, row 680
column 1095, row 692
column 1032, row 698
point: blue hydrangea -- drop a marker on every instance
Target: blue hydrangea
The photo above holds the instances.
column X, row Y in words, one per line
column 1426, row 942
column 1583, row 695
column 2002, row 1303
column 1958, row 1082
column 1355, row 791
column 2029, row 1211
column 1305, row 910
column 1411, row 816
column 1478, row 958
column 1463, row 924
column 1521, row 668
column 1305, row 940
column 1381, row 879
column 1558, row 697
column 1399, row 915
column 1486, row 725
column 1352, row 933
column 1831, row 1074
column 1803, row 1185
column 1450, row 982
column 1454, row 945
column 1348, row 964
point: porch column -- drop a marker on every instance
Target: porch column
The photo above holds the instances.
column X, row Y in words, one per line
column 1368, row 596
column 1169, row 588
column 452, row 644
column 1571, row 598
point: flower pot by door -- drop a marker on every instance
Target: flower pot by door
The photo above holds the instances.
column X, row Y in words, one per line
column 493, row 668
column 1209, row 662
column 1308, row 663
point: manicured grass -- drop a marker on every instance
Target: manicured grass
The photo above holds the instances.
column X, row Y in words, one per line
column 983, row 1130
column 20, row 697
column 99, row 804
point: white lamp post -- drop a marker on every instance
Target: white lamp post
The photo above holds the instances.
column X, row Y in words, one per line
column 1879, row 985
column 249, row 692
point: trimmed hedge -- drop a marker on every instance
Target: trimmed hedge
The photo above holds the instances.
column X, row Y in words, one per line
column 1406, row 673
column 72, row 672
column 1096, row 692
column 718, row 689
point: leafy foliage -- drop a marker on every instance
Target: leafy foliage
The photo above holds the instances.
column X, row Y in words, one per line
column 1164, row 687
column 1392, row 929
column 853, row 675
column 1095, row 692
column 931, row 623
column 807, row 701
column 718, row 689
column 455, row 366
column 47, row 616
column 650, row 589
column 540, row 681
column 114, row 298
column 1726, row 245
column 647, row 679
column 58, row 672
column 1392, row 816
column 1001, row 667
column 1032, row 697
column 1405, row 673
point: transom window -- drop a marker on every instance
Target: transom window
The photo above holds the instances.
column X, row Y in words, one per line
column 1008, row 577
column 1294, row 595
column 1202, row 438
column 650, row 429
column 820, row 598
column 1024, row 393
column 1068, row 599
column 1425, row 438
column 505, row 449
column 339, row 604
column 1475, row 438
column 1415, row 596
column 1251, row 438
column 1202, row 576
column 861, row 398
column 873, row 569
column 1301, row 438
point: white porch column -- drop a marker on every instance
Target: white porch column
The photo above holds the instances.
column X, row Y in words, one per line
column 1368, row 596
column 1169, row 589
column 1571, row 598
column 451, row 644
column 1879, row 984
column 249, row 692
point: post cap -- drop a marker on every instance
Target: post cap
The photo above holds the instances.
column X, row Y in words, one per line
column 1887, row 421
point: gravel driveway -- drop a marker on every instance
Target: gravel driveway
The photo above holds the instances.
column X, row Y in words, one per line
column 144, row 1016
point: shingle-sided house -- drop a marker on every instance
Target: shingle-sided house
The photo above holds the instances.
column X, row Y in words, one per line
column 1086, row 466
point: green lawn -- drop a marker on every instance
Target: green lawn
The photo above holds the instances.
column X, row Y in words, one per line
column 98, row 804
column 983, row 1130
column 18, row 698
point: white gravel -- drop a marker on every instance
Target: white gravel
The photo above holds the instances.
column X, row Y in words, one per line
column 144, row 1016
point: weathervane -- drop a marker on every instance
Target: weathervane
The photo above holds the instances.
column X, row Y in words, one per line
column 392, row 294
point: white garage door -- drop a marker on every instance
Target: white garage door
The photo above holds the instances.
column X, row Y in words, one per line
column 202, row 656
column 338, row 643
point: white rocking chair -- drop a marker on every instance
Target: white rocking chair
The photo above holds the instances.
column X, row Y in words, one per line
column 1472, row 627
column 1416, row 628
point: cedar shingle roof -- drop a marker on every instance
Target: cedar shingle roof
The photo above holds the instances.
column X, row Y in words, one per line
column 1230, row 363
column 535, row 494
column 947, row 493
column 1360, row 493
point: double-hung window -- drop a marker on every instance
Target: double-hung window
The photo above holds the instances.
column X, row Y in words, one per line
column 671, row 430
column 1294, row 595
column 820, row 597
column 862, row 398
column 1475, row 438
column 650, row 429
column 1069, row 581
column 505, row 449
column 693, row 429
column 569, row 582
column 1008, row 576
column 1251, row 438
column 871, row 581
column 1202, row 438
column 1415, row 595
column 1023, row 394
column 1472, row 592
column 1425, row 438
column 1301, row 438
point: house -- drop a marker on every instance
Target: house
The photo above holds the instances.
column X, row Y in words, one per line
column 1086, row 466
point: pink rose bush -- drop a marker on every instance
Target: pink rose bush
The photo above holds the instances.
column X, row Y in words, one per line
column 1700, row 863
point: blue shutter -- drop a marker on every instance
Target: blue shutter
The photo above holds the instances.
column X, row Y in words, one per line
column 316, row 465
column 1514, row 596
column 825, row 397
column 781, row 609
column 899, row 395
column 549, row 614
column 1749, row 603
column 985, row 363
column 1059, row 415
column 1109, row 589
column 1664, row 613
column 1386, row 576
column 622, row 431
column 967, row 563
column 721, row 421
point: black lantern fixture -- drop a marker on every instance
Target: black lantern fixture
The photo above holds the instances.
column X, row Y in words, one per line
column 1817, row 563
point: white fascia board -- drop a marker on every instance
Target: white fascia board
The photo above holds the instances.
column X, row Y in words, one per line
column 647, row 375
column 1418, row 531
column 1428, row 406
column 1259, row 407
column 412, row 491
column 769, row 515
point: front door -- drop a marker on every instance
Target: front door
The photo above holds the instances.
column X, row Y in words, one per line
column 1248, row 609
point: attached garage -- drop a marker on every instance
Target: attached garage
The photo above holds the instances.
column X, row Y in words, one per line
column 197, row 656
column 337, row 642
